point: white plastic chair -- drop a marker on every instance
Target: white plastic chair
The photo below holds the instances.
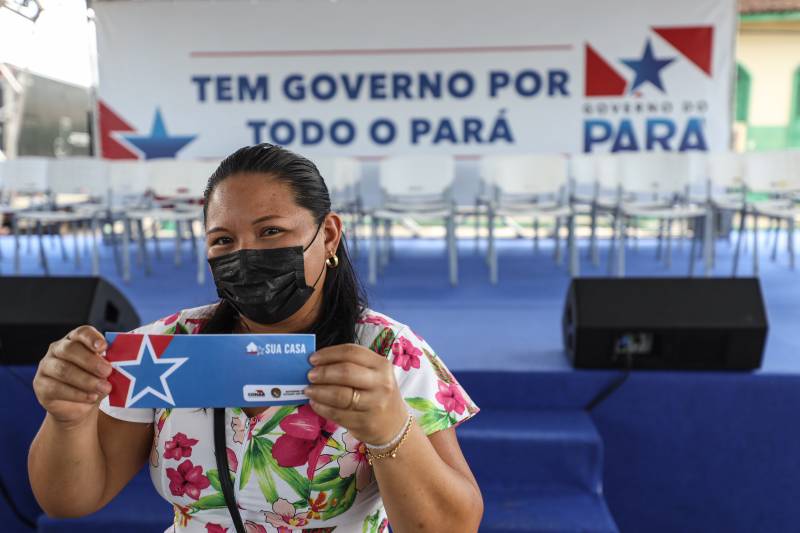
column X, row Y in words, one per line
column 655, row 186
column 531, row 186
column 415, row 186
column 342, row 176
column 776, row 175
column 25, row 182
column 84, row 177
column 595, row 179
column 177, row 188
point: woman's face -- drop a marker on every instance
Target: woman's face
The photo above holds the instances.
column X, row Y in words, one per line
column 256, row 211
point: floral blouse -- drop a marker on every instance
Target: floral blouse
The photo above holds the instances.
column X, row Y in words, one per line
column 292, row 469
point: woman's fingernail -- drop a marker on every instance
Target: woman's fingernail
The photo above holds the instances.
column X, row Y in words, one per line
column 312, row 375
column 104, row 387
column 97, row 344
column 105, row 369
column 313, row 359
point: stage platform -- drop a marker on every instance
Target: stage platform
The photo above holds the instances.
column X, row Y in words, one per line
column 667, row 452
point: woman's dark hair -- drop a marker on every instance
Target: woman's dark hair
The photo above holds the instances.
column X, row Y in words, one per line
column 343, row 298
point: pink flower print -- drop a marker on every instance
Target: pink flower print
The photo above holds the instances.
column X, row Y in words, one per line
column 383, row 525
column 450, row 397
column 284, row 515
column 238, row 427
column 375, row 320
column 197, row 324
column 355, row 461
column 216, row 528
column 170, row 319
column 305, row 436
column 178, row 447
column 188, row 479
column 252, row 527
column 406, row 355
column 233, row 462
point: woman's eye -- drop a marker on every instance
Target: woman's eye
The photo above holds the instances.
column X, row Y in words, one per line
column 270, row 231
column 221, row 241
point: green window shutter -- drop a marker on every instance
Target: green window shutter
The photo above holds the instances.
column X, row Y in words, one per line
column 742, row 93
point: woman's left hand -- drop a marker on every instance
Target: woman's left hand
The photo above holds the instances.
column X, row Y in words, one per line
column 376, row 411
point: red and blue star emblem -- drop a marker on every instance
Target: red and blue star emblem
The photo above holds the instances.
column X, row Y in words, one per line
column 140, row 368
column 119, row 140
column 695, row 43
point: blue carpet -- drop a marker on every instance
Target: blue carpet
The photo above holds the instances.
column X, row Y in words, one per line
column 670, row 451
column 520, row 316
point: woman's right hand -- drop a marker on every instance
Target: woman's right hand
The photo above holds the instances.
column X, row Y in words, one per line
column 72, row 377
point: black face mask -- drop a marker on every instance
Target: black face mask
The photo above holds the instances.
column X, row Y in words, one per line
column 266, row 286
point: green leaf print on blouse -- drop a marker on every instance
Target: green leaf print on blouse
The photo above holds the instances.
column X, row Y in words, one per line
column 374, row 524
column 341, row 498
column 382, row 344
column 212, row 501
column 433, row 418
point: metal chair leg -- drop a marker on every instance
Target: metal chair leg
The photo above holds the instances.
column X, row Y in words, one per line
column 15, row 231
column 126, row 249
column 373, row 253
column 708, row 242
column 452, row 249
column 200, row 255
column 668, row 258
column 572, row 247
column 76, row 245
column 739, row 238
column 594, row 255
column 659, row 240
column 492, row 248
column 557, row 235
column 142, row 240
column 790, row 243
column 156, row 244
column 621, row 246
column 692, row 253
column 755, row 244
column 773, row 232
column 42, row 254
column 95, row 248
column 178, row 239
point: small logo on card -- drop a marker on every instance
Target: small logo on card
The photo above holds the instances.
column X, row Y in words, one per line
column 258, row 393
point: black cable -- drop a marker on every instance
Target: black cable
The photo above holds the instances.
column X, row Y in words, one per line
column 605, row 393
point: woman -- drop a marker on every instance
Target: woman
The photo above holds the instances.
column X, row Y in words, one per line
column 376, row 443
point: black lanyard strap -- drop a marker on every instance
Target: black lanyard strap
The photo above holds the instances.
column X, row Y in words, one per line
column 221, row 451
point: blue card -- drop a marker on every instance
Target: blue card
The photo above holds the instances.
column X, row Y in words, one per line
column 208, row 370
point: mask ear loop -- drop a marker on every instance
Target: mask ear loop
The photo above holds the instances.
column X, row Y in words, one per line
column 314, row 286
column 315, row 236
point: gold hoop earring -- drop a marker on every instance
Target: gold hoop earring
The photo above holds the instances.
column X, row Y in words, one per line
column 332, row 261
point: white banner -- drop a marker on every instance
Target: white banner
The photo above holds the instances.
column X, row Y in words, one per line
column 372, row 78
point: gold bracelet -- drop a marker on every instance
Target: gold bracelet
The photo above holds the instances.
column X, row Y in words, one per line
column 393, row 452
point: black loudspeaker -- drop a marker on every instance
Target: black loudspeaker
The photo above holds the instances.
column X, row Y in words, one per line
column 658, row 323
column 35, row 311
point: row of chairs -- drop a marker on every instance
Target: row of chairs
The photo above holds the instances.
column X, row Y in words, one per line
column 691, row 190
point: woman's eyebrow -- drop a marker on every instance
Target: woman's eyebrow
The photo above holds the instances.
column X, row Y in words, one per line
column 264, row 218
column 215, row 229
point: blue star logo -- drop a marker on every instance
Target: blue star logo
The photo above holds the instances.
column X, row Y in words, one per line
column 648, row 68
column 149, row 374
column 159, row 143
